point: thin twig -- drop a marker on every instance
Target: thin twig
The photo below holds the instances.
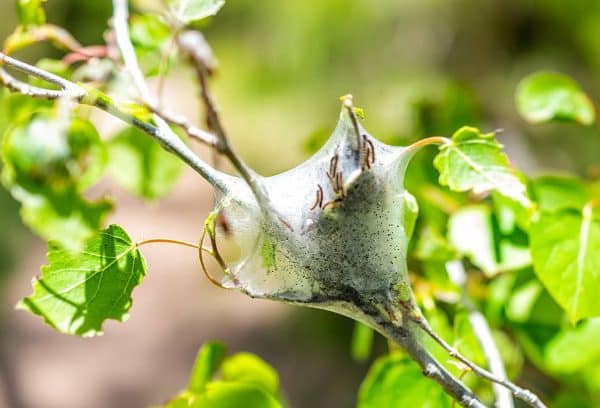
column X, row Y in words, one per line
column 456, row 272
column 168, row 241
column 192, row 131
column 121, row 28
column 521, row 393
column 187, row 42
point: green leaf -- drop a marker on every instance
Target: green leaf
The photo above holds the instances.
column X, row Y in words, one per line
column 64, row 216
column 554, row 193
column 31, row 12
column 511, row 216
column 432, row 246
column 77, row 292
column 565, row 247
column 48, row 164
column 149, row 31
column 141, row 166
column 207, row 363
column 250, row 369
column 549, row 96
column 150, row 38
column 574, row 349
column 224, row 394
column 531, row 304
column 466, row 341
column 192, row 11
column 397, row 381
column 246, row 381
column 362, row 342
column 471, row 232
column 473, row 161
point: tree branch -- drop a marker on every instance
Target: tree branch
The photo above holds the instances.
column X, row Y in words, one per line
column 121, row 28
column 80, row 94
column 411, row 312
column 192, row 44
column 432, row 368
column 482, row 331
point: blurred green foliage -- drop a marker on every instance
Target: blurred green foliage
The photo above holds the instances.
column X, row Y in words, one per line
column 418, row 68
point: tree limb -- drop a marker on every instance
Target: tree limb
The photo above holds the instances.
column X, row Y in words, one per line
column 432, row 368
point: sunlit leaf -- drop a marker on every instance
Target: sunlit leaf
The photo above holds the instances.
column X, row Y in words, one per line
column 149, row 31
column 362, row 342
column 207, row 362
column 565, row 246
column 245, row 381
column 150, row 38
column 250, row 369
column 191, row 11
column 432, row 246
column 553, row 193
column 224, row 394
column 77, row 292
column 397, row 381
column 531, row 304
column 465, row 339
column 575, row 348
column 470, row 231
column 140, row 165
column 473, row 161
column 31, row 12
column 549, row 96
column 48, row 165
column 62, row 216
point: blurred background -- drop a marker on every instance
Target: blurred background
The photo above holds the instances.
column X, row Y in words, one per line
column 417, row 67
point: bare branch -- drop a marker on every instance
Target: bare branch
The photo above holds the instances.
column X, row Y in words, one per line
column 456, row 272
column 412, row 313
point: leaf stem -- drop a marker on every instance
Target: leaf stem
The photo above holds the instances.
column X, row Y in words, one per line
column 433, row 140
column 167, row 241
column 200, row 249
